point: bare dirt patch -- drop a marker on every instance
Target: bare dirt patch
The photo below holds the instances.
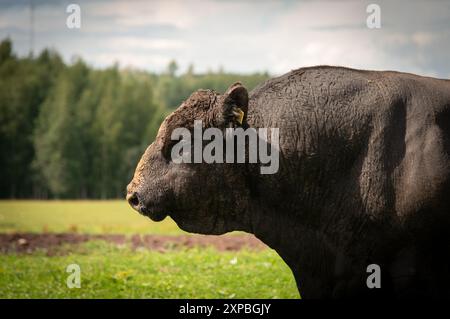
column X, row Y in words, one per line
column 28, row 242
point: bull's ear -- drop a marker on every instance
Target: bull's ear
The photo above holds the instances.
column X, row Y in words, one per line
column 235, row 105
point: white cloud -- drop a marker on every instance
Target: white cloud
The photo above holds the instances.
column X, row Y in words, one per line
column 129, row 60
column 138, row 13
column 136, row 43
column 422, row 39
column 244, row 36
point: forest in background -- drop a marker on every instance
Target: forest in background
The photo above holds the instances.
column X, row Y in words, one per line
column 72, row 131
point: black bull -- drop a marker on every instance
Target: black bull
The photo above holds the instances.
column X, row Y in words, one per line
column 364, row 178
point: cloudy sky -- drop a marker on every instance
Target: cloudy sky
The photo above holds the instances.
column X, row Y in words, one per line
column 242, row 36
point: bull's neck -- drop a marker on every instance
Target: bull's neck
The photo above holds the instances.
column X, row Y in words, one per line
column 304, row 249
column 276, row 211
column 285, row 233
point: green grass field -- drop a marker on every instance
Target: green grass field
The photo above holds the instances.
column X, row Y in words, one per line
column 114, row 271
column 111, row 272
column 97, row 217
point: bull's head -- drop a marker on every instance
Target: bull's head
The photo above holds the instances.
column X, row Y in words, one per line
column 203, row 198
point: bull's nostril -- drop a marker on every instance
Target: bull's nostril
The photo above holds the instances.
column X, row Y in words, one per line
column 143, row 210
column 133, row 200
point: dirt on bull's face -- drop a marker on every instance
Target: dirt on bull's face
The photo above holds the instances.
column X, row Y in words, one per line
column 364, row 178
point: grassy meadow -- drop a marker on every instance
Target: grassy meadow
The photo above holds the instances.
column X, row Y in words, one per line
column 111, row 270
column 93, row 217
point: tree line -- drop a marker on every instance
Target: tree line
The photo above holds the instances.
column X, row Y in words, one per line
column 72, row 131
